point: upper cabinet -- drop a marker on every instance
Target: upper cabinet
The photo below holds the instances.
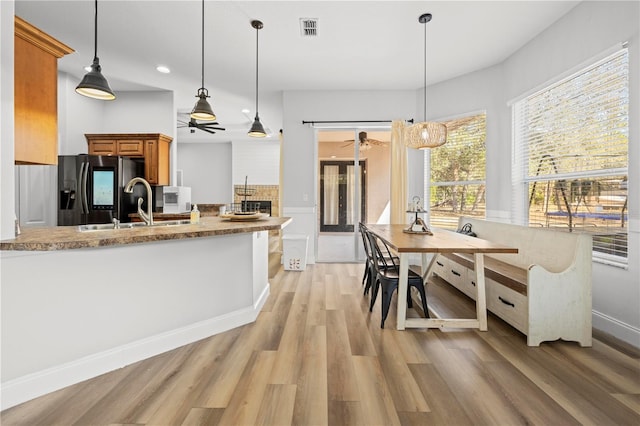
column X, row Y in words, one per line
column 36, row 94
column 153, row 147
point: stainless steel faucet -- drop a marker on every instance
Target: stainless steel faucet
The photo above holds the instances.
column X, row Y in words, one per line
column 147, row 217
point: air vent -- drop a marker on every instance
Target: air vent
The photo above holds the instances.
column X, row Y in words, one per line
column 309, row 27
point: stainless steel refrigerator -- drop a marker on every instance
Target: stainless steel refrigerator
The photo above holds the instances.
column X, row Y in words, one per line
column 91, row 188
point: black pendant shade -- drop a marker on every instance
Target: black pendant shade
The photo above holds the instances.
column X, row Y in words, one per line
column 257, row 130
column 202, row 110
column 94, row 85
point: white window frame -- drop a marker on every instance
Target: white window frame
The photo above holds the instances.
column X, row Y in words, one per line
column 520, row 179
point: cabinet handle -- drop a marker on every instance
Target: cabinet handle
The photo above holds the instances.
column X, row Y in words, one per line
column 473, row 283
column 506, row 302
column 457, row 274
column 439, row 264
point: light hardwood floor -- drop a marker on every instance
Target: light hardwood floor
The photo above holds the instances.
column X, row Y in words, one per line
column 316, row 356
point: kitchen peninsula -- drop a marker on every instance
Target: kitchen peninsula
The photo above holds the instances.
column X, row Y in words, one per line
column 79, row 304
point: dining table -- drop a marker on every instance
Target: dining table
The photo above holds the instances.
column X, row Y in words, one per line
column 436, row 242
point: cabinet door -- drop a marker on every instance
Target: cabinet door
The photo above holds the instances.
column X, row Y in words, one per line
column 35, row 103
column 35, row 94
column 103, row 147
column 156, row 161
column 131, row 148
column 151, row 161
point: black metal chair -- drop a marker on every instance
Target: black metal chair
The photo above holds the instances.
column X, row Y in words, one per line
column 369, row 271
column 366, row 278
column 388, row 277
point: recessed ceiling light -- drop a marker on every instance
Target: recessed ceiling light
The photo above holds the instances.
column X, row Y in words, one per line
column 163, row 69
column 87, row 68
column 245, row 111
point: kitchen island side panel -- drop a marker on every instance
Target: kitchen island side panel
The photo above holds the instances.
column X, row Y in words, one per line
column 70, row 315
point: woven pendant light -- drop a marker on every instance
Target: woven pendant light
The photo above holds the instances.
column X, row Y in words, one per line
column 427, row 134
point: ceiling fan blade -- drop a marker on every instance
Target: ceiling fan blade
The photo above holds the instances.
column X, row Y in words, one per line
column 212, row 128
column 207, row 130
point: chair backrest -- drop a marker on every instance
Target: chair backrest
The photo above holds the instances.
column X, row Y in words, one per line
column 382, row 256
column 365, row 241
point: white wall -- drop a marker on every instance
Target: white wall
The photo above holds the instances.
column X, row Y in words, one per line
column 207, row 170
column 258, row 160
column 130, row 112
column 77, row 115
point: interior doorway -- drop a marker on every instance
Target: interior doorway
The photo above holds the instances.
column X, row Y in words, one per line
column 353, row 175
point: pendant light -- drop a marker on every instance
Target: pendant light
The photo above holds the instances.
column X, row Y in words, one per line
column 94, row 85
column 425, row 134
column 257, row 131
column 202, row 110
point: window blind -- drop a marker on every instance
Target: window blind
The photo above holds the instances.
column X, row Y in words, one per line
column 571, row 154
column 456, row 172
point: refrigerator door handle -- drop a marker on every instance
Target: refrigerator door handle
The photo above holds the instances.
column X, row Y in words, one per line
column 84, row 173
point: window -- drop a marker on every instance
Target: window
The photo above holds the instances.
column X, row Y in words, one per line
column 457, row 172
column 570, row 156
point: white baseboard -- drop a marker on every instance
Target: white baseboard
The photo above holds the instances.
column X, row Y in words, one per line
column 33, row 385
column 616, row 328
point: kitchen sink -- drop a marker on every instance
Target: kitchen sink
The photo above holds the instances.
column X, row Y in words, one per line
column 131, row 225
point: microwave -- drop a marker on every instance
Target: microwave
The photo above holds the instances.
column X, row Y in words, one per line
column 176, row 199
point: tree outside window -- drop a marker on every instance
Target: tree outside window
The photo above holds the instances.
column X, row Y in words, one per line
column 457, row 172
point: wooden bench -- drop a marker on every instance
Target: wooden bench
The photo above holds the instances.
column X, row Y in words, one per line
column 544, row 291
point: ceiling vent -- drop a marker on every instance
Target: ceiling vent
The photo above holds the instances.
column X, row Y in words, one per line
column 309, row 27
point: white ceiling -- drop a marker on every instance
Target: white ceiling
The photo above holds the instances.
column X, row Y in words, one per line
column 361, row 45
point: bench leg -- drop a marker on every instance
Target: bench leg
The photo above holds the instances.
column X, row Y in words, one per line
column 481, row 296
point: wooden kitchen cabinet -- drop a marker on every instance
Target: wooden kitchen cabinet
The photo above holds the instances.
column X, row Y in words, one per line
column 129, row 148
column 103, row 147
column 152, row 147
column 36, row 94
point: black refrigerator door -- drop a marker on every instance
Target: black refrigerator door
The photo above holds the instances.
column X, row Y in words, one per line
column 88, row 189
column 70, row 188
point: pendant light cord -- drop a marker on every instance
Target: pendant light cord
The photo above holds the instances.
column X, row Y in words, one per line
column 95, row 31
column 202, row 45
column 425, row 71
column 257, row 48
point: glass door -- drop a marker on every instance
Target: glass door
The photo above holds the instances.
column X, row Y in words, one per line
column 338, row 209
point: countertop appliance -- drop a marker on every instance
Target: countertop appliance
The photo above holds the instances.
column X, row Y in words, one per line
column 91, row 188
column 176, row 199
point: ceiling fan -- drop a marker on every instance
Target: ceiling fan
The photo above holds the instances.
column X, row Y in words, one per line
column 206, row 126
column 365, row 142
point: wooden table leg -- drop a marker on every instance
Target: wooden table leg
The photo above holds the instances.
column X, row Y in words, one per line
column 403, row 280
column 481, row 297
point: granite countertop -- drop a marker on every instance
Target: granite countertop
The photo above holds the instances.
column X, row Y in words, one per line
column 69, row 237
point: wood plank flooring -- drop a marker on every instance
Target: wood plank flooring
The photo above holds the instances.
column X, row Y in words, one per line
column 317, row 356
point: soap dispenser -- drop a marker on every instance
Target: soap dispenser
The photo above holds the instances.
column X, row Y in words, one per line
column 195, row 214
